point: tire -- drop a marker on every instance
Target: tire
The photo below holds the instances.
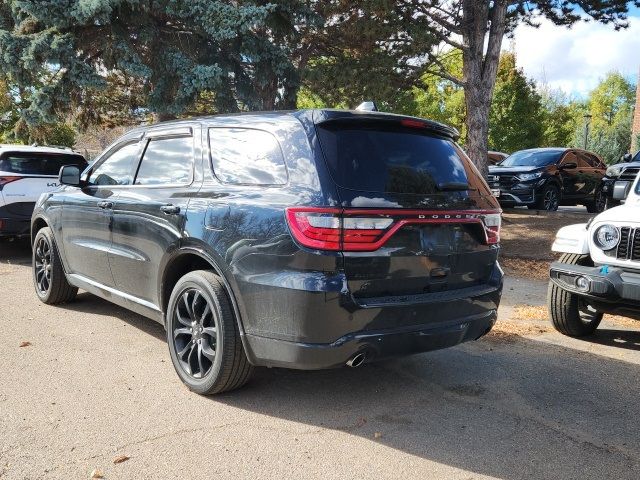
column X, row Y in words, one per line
column 570, row 314
column 203, row 335
column 49, row 278
column 549, row 198
column 599, row 205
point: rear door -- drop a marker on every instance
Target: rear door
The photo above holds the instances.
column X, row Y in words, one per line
column 423, row 189
column 149, row 216
column 594, row 171
column 571, row 184
column 26, row 175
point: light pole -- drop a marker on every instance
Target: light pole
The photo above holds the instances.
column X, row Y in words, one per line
column 587, row 121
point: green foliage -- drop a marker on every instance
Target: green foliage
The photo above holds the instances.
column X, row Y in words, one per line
column 559, row 118
column 171, row 51
column 515, row 118
column 610, row 105
column 440, row 99
column 367, row 50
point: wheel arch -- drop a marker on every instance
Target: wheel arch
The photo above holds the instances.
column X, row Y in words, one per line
column 189, row 259
column 37, row 224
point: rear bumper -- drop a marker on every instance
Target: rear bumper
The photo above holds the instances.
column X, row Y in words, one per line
column 10, row 227
column 15, row 224
column 373, row 344
column 610, row 290
column 325, row 327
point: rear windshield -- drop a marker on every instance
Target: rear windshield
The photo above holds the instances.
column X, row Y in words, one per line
column 527, row 158
column 28, row 163
column 379, row 159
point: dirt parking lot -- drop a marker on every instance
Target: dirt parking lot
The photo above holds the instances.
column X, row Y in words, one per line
column 93, row 383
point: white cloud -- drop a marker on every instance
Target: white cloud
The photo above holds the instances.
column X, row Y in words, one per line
column 576, row 59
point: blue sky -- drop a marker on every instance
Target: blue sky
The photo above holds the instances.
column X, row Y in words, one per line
column 575, row 59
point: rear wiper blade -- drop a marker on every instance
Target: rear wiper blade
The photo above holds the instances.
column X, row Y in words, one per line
column 453, row 186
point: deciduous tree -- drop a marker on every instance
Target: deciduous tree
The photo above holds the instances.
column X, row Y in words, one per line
column 477, row 29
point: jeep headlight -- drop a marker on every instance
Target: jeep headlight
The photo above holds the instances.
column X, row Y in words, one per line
column 525, row 177
column 614, row 171
column 606, row 237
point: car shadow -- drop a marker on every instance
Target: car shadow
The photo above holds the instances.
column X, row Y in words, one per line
column 628, row 339
column 15, row 252
column 88, row 303
column 526, row 409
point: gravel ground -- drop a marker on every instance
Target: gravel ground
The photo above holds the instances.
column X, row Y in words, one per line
column 96, row 385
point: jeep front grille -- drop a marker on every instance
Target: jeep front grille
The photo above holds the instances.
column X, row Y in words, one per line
column 629, row 246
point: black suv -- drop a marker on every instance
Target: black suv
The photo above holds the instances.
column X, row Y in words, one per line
column 307, row 240
column 544, row 178
column 620, row 176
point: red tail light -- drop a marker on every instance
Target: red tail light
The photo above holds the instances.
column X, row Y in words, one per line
column 5, row 180
column 354, row 230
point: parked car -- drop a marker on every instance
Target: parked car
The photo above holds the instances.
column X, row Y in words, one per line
column 599, row 270
column 308, row 240
column 25, row 173
column 496, row 157
column 620, row 176
column 544, row 178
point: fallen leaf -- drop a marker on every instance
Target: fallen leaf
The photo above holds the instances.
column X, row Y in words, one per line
column 97, row 474
column 120, row 459
column 25, row 344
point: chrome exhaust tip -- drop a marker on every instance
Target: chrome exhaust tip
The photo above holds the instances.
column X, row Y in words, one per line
column 357, row 360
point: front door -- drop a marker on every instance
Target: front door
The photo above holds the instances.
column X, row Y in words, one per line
column 149, row 216
column 87, row 214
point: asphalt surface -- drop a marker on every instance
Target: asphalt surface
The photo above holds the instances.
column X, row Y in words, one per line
column 96, row 383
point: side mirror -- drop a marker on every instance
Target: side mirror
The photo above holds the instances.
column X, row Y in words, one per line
column 568, row 166
column 69, row 175
column 627, row 157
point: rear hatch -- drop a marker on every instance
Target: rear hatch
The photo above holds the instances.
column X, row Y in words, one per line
column 26, row 175
column 418, row 219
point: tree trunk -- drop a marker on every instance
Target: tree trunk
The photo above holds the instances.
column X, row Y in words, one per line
column 480, row 60
column 478, row 104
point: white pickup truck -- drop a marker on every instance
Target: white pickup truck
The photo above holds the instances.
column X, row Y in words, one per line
column 599, row 269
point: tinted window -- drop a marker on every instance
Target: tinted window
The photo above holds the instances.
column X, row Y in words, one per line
column 532, row 158
column 167, row 161
column 383, row 160
column 582, row 160
column 246, row 156
column 38, row 163
column 116, row 168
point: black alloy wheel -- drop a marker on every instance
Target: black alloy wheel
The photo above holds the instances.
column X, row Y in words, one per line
column 195, row 333
column 49, row 278
column 550, row 200
column 42, row 265
column 203, row 335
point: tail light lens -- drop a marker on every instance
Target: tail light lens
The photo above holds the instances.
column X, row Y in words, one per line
column 354, row 230
column 5, row 180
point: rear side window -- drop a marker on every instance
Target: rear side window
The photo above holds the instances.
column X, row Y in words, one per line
column 390, row 160
column 27, row 163
column 247, row 157
column 116, row 168
column 167, row 161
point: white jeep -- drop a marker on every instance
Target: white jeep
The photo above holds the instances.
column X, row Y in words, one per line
column 599, row 269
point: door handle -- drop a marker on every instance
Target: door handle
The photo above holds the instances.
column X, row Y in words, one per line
column 105, row 204
column 170, row 209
